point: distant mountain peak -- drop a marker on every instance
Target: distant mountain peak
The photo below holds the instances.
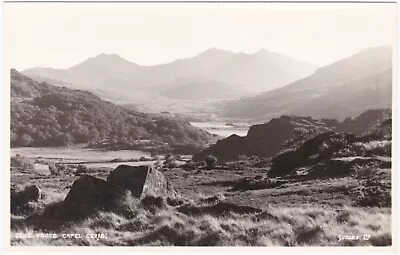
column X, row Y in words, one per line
column 215, row 50
column 261, row 51
column 105, row 56
column 269, row 54
column 106, row 60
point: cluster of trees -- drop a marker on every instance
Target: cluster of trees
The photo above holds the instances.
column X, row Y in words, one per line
column 62, row 117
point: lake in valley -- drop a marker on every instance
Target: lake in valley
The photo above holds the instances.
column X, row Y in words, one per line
column 220, row 128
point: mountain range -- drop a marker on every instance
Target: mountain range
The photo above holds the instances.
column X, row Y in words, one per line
column 213, row 74
column 251, row 87
column 343, row 89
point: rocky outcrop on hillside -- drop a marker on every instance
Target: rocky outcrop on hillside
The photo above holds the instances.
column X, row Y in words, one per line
column 291, row 132
column 365, row 122
column 333, row 154
column 264, row 140
column 317, row 149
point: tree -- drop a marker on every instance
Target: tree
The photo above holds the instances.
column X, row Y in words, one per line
column 65, row 139
column 13, row 138
column 211, row 161
column 94, row 135
column 25, row 140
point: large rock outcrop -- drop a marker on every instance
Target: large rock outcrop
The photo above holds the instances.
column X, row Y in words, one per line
column 321, row 147
column 22, row 196
column 269, row 139
column 333, row 154
column 89, row 194
column 264, row 140
column 124, row 186
column 141, row 181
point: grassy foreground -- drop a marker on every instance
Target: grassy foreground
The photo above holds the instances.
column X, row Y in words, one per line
column 162, row 225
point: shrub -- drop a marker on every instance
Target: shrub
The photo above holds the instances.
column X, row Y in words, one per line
column 21, row 162
column 243, row 157
column 375, row 187
column 171, row 163
column 168, row 156
column 366, row 172
column 153, row 203
column 373, row 193
column 61, row 167
column 154, row 155
column 376, row 147
column 116, row 160
column 211, row 161
column 54, row 170
column 81, row 169
column 158, row 164
column 190, row 165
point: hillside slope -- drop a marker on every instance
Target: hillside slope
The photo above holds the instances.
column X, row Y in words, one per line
column 200, row 89
column 343, row 89
column 46, row 115
column 261, row 71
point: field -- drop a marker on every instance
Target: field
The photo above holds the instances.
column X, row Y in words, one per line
column 77, row 153
column 92, row 158
column 222, row 209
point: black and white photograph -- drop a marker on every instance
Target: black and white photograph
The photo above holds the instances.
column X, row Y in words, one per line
column 199, row 124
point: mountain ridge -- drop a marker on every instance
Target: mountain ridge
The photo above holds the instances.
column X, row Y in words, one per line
column 342, row 89
column 118, row 77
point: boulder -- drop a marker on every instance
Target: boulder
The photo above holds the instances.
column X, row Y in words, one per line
column 141, row 181
column 22, row 197
column 89, row 194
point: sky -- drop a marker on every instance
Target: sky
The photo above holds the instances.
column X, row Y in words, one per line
column 60, row 35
